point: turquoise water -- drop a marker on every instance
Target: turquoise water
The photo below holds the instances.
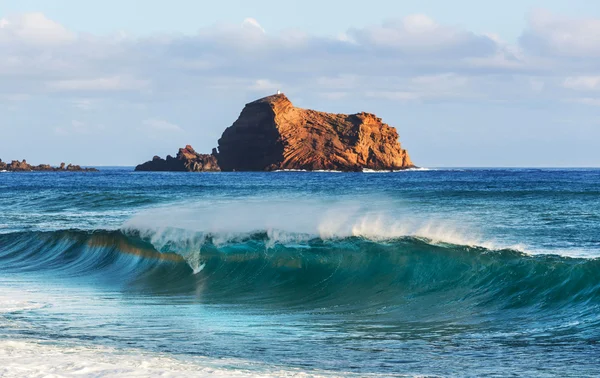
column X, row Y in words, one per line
column 428, row 272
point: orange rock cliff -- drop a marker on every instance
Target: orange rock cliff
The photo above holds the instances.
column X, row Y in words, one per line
column 272, row 134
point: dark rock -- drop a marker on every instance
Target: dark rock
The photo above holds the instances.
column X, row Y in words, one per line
column 187, row 160
column 19, row 166
column 23, row 166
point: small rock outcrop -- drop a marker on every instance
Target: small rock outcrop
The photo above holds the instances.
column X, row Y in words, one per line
column 271, row 134
column 23, row 166
column 187, row 160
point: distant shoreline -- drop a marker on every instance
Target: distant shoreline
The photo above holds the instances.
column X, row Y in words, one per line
column 23, row 166
column 100, row 168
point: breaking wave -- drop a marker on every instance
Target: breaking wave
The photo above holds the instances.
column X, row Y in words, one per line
column 395, row 276
column 286, row 220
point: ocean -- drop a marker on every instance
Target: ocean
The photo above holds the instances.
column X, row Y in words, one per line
column 427, row 272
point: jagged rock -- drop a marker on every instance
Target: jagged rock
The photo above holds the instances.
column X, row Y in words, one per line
column 272, row 134
column 19, row 166
column 23, row 166
column 187, row 160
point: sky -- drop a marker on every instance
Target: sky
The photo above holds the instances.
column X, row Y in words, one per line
column 466, row 83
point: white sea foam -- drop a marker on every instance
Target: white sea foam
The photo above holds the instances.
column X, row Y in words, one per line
column 306, row 170
column 416, row 169
column 296, row 220
column 25, row 358
column 365, row 170
column 12, row 300
column 15, row 305
column 68, row 357
column 289, row 221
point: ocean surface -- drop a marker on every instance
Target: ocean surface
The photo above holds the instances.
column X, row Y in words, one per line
column 439, row 272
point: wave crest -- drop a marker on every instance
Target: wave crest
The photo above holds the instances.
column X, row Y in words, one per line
column 287, row 221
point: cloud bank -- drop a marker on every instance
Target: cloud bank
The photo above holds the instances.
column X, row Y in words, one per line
column 142, row 84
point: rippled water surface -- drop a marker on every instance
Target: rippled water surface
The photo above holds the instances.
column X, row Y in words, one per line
column 432, row 272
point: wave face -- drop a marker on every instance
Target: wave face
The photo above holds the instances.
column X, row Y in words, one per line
column 350, row 274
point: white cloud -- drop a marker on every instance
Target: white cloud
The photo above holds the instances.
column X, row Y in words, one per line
column 337, row 82
column 15, row 97
column 77, row 124
column 160, row 125
column 446, row 85
column 243, row 57
column 552, row 34
column 61, row 131
column 582, row 83
column 586, row 101
column 420, row 34
column 394, row 96
column 84, row 104
column 536, row 85
column 54, row 74
column 114, row 83
column 78, row 127
column 34, row 28
column 263, row 85
column 441, row 82
column 411, row 58
column 334, row 95
column 251, row 23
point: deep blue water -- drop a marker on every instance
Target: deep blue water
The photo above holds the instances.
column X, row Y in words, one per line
column 449, row 272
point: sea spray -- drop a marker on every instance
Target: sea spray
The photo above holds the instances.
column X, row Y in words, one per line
column 290, row 221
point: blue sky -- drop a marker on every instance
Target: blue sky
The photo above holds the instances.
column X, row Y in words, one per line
column 467, row 83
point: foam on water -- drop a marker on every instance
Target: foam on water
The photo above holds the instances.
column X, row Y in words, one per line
column 291, row 222
column 416, row 169
column 26, row 358
column 19, row 300
column 365, row 170
column 305, row 170
column 15, row 305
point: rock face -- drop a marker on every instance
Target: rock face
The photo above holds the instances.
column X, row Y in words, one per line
column 272, row 134
column 187, row 160
column 23, row 166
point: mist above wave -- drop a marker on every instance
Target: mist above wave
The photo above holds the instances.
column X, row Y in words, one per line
column 288, row 221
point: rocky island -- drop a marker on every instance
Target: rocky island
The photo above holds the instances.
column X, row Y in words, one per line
column 272, row 134
column 187, row 160
column 23, row 166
